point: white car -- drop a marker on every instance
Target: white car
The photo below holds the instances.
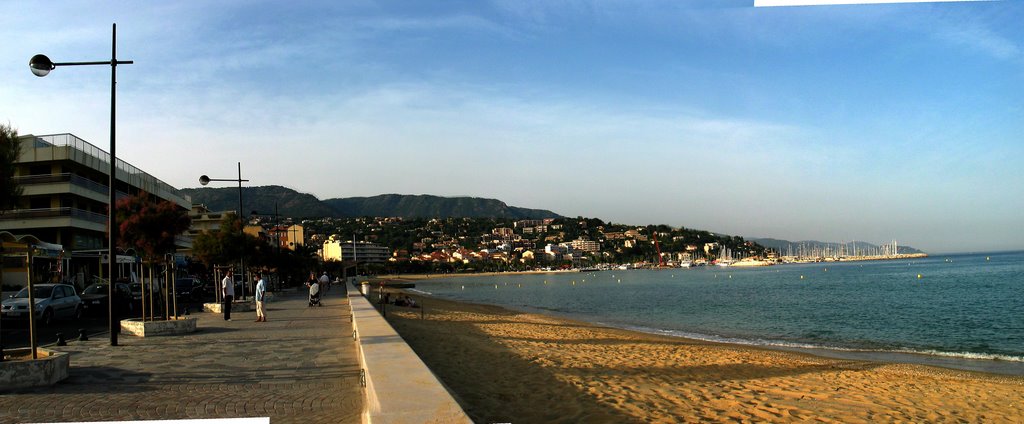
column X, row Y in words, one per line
column 53, row 301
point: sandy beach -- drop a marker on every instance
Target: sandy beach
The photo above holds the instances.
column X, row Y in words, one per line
column 505, row 366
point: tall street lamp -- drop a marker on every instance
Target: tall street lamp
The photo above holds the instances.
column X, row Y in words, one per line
column 204, row 180
column 41, row 66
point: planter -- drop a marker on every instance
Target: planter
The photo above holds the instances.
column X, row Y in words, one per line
column 21, row 371
column 238, row 306
column 170, row 327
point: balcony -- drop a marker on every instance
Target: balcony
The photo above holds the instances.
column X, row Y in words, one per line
column 18, row 219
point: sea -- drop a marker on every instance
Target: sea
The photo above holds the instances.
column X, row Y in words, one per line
column 962, row 311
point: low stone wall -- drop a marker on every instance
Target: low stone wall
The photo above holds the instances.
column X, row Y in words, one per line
column 170, row 327
column 23, row 372
column 399, row 386
column 239, row 306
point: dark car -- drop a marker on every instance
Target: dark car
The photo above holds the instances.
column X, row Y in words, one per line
column 94, row 299
column 152, row 291
column 189, row 288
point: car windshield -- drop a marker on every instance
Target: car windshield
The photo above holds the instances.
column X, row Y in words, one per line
column 40, row 292
column 95, row 289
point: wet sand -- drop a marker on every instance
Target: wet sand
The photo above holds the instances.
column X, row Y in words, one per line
column 506, row 366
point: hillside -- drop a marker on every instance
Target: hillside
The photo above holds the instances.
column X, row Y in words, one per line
column 427, row 206
column 291, row 203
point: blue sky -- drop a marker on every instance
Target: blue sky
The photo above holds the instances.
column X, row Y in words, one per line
column 865, row 122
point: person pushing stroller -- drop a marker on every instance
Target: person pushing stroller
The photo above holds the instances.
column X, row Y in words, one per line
column 314, row 291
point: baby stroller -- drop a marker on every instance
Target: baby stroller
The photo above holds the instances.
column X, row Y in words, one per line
column 314, row 300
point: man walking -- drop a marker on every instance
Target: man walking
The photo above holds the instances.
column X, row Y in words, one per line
column 227, row 287
column 261, row 290
column 325, row 282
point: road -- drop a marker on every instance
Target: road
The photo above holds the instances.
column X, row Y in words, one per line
column 15, row 333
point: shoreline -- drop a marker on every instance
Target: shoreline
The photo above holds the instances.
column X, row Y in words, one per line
column 509, row 366
column 955, row 361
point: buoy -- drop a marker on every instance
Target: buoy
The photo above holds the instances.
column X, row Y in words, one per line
column 620, row 280
column 730, row 275
column 463, row 287
column 826, row 269
column 801, row 277
column 495, row 286
column 918, row 276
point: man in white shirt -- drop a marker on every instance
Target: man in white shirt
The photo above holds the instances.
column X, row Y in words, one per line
column 325, row 282
column 227, row 287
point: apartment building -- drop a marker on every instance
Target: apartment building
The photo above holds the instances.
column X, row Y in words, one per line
column 335, row 249
column 66, row 191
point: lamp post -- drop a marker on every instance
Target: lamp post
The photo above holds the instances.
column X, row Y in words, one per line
column 277, row 240
column 204, row 180
column 41, row 66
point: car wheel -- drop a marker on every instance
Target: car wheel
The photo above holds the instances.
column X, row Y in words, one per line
column 47, row 317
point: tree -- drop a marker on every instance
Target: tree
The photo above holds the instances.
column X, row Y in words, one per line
column 222, row 246
column 150, row 227
column 10, row 150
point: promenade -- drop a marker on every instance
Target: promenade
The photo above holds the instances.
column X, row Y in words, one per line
column 298, row 367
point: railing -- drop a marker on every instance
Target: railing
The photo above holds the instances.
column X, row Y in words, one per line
column 131, row 174
column 74, row 179
column 53, row 213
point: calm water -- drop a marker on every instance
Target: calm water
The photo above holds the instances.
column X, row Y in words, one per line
column 965, row 311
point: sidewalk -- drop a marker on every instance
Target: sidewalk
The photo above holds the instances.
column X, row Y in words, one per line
column 300, row 366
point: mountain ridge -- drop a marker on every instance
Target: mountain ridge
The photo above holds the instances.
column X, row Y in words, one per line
column 268, row 200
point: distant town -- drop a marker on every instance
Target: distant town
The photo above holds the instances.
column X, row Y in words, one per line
column 397, row 245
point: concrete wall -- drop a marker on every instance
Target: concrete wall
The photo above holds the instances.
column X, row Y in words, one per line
column 399, row 386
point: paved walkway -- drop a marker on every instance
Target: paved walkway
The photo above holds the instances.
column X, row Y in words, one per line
column 300, row 366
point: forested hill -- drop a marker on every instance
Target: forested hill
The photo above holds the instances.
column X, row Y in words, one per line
column 291, row 203
column 262, row 199
column 427, row 206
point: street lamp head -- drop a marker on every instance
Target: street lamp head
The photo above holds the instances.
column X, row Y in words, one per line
column 204, row 180
column 40, row 65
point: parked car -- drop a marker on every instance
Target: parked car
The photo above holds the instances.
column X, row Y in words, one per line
column 154, row 290
column 94, row 299
column 189, row 288
column 53, row 301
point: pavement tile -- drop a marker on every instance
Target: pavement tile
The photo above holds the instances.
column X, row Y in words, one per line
column 300, row 366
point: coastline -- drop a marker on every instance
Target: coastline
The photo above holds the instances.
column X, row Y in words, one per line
column 507, row 366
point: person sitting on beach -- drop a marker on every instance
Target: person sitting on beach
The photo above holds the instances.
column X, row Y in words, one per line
column 410, row 302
